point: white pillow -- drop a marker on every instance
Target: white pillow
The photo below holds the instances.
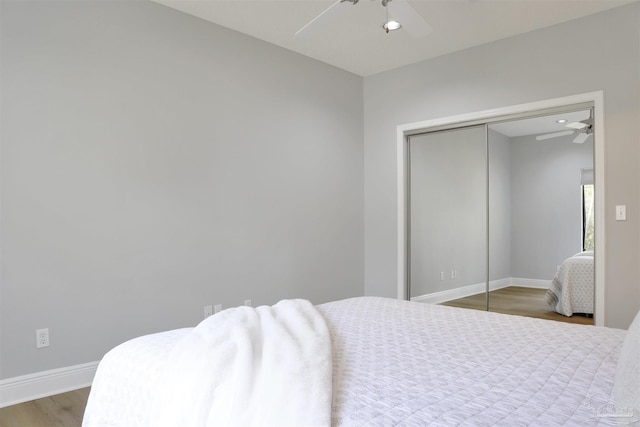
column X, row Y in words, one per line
column 626, row 387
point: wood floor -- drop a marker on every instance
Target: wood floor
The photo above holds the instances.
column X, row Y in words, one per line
column 61, row 410
column 517, row 300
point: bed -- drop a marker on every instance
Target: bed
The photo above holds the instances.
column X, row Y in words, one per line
column 571, row 290
column 395, row 362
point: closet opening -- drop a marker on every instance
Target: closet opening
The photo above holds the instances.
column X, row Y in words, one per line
column 501, row 207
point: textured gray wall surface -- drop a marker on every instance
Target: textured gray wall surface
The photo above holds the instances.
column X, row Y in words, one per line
column 154, row 163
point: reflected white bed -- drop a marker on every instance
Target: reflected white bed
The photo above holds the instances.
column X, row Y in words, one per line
column 572, row 289
column 412, row 364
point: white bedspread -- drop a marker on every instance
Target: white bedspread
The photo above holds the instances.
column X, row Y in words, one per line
column 268, row 366
column 572, row 288
column 415, row 364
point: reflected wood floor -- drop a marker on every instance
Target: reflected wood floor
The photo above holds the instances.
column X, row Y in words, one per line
column 61, row 410
column 527, row 302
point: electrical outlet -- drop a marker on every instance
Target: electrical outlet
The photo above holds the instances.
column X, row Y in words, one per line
column 42, row 338
column 217, row 308
column 247, row 302
column 208, row 311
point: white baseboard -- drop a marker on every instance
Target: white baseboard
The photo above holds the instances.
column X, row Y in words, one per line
column 469, row 290
column 461, row 292
column 450, row 294
column 47, row 383
column 530, row 283
column 499, row 284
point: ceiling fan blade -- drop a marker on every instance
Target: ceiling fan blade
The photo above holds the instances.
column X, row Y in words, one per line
column 319, row 21
column 577, row 125
column 409, row 18
column 582, row 137
column 554, row 135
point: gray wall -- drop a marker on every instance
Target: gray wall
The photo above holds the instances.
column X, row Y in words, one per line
column 500, row 169
column 598, row 52
column 448, row 209
column 547, row 206
column 154, row 163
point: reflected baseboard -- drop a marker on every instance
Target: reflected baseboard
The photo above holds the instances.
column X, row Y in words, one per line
column 479, row 288
column 530, row 283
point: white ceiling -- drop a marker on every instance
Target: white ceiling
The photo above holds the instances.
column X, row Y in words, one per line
column 355, row 41
column 539, row 125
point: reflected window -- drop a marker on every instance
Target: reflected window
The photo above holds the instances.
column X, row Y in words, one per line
column 587, row 218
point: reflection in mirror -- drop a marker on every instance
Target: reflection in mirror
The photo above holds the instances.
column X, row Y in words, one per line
column 540, row 196
column 448, row 226
column 541, row 183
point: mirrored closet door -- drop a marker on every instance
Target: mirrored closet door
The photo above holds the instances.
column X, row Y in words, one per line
column 501, row 216
column 448, row 214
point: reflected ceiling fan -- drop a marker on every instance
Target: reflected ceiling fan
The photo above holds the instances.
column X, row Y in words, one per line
column 581, row 129
column 405, row 17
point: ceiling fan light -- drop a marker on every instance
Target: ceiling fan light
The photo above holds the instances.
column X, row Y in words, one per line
column 391, row 26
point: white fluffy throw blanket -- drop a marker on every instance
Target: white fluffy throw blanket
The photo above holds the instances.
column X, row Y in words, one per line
column 265, row 366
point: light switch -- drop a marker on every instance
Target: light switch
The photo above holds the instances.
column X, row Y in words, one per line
column 621, row 212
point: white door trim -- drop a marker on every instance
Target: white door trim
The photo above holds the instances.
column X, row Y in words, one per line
column 599, row 164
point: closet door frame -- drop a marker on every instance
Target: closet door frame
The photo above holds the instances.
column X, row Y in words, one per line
column 596, row 101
